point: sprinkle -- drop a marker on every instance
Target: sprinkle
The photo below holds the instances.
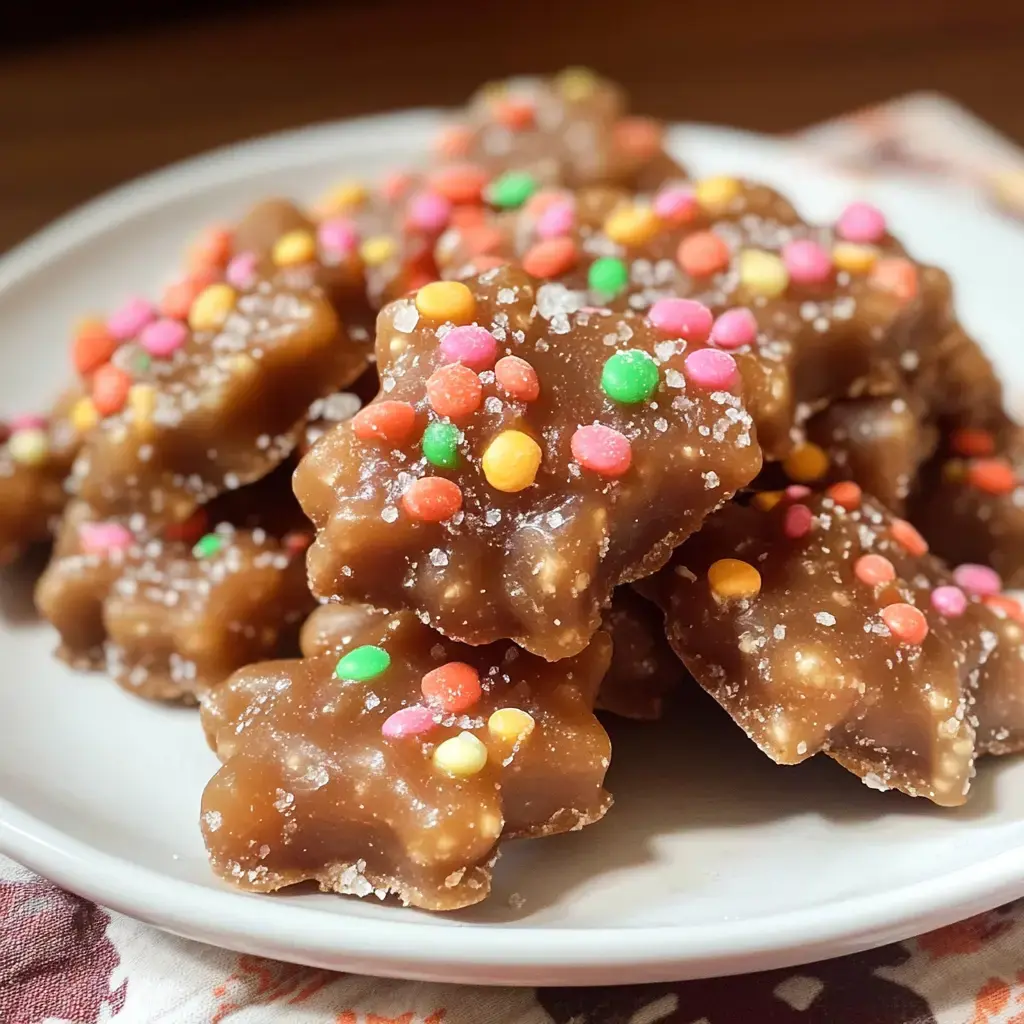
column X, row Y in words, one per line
column 731, row 579
column 142, row 402
column 608, row 275
column 211, row 249
column 452, row 687
column 241, row 271
column 716, row 193
column 949, row 601
column 454, row 390
column 517, row 378
column 446, row 300
column 93, row 345
column 378, row 250
column 896, row 275
column 432, row 499
column 954, row 471
column 211, row 307
column 29, row 447
column 1004, row 606
column 162, row 338
column 576, row 84
column 190, row 530
column 602, row 449
column 978, row 580
column 767, row 500
column 296, row 542
column 556, row 220
column 797, row 522
column 460, row 183
column 461, row 756
column 805, row 463
column 177, row 298
column 632, row 225
column 681, row 318
column 630, row 377
column 510, row 725
column 638, row 136
column 429, row 211
column 854, row 259
column 703, row 254
column 993, row 476
column 511, row 190
column 208, row 546
column 441, row 445
column 711, row 369
column 110, row 389
column 513, row 113
column 550, row 258
column 734, row 328
column 972, row 443
column 411, row 721
column 481, row 239
column 362, row 664
column 846, row 494
column 348, row 195
column 127, row 321
column 337, row 236
column 26, row 421
column 874, row 570
column 511, row 461
column 807, row 262
column 102, row 538
column 797, row 492
column 83, row 415
column 908, row 538
column 861, row 222
column 763, row 273
column 470, row 345
column 905, row 622
column 675, row 204
column 392, row 422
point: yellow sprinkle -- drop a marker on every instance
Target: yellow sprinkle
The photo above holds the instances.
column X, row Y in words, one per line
column 377, row 250
column 349, row 195
column 576, row 84
column 461, row 756
column 511, row 461
column 83, row 415
column 854, row 258
column 142, row 402
column 29, row 447
column 763, row 273
column 732, row 579
column 716, row 193
column 446, row 300
column 493, row 91
column 767, row 500
column 805, row 463
column 211, row 307
column 510, row 725
column 294, row 247
column 632, row 225
column 953, row 472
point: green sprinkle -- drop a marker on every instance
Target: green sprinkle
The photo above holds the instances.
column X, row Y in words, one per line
column 608, row 275
column 363, row 663
column 511, row 190
column 441, row 445
column 140, row 363
column 208, row 546
column 629, row 377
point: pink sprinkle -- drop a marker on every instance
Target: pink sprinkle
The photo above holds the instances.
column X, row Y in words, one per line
column 861, row 222
column 162, row 338
column 241, row 271
column 798, row 522
column 429, row 211
column 977, row 579
column 127, row 321
column 807, row 261
column 337, row 235
column 101, row 538
column 602, row 450
column 410, row 721
column 556, row 219
column 675, row 204
column 681, row 318
column 797, row 492
column 711, row 369
column 393, row 185
column 949, row 601
column 26, row 421
column 470, row 345
column 734, row 329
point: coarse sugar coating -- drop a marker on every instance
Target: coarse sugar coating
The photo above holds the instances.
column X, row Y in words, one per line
column 521, row 460
column 396, row 762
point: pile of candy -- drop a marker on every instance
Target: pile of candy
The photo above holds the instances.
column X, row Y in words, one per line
column 542, row 427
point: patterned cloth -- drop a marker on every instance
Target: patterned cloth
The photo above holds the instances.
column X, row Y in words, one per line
column 64, row 959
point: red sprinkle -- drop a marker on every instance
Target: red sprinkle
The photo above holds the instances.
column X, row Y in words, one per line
column 703, row 254
column 481, row 239
column 189, row 530
column 460, row 183
column 93, row 346
column 905, row 622
column 393, row 422
column 874, row 570
column 110, row 389
column 516, row 377
column 296, row 542
column 993, row 476
column 211, row 249
column 908, row 538
column 1005, row 606
column 454, row 391
column 432, row 499
column 846, row 494
column 452, row 687
column 797, row 522
column 972, row 443
column 602, row 449
column 551, row 257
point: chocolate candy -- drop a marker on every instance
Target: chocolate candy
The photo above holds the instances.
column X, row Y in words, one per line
column 396, row 762
column 524, row 457
column 823, row 625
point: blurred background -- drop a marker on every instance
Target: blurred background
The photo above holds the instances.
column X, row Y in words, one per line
column 97, row 94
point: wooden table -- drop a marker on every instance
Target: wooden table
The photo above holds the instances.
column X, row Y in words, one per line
column 79, row 116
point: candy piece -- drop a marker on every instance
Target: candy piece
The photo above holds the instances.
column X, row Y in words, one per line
column 716, row 193
column 432, row 499
column 294, row 248
column 797, row 522
column 429, row 212
column 462, row 183
column 337, row 236
column 363, row 664
column 345, row 197
column 127, row 321
column 102, row 538
column 807, row 262
column 763, row 273
column 675, row 205
column 905, row 622
column 517, row 378
column 734, row 328
column 461, row 756
column 908, row 538
column 608, row 275
column 949, row 601
column 454, row 391
column 556, row 220
column 208, row 546
column 731, row 579
column 767, row 500
column 29, row 447
column 411, row 721
column 446, row 300
column 473, row 346
column 711, row 369
column 510, row 462
column 551, row 257
column 629, row 377
column 110, row 389
column 93, row 346
column 854, row 259
column 603, row 450
column 512, row 189
column 874, row 570
column 632, row 225
column 162, row 338
column 703, row 254
column 896, row 275
column 806, row 463
column 441, row 445
column 377, row 250
column 453, row 687
column 511, row 725
column 513, row 113
column 211, row 307
column 682, row 318
column 993, row 476
column 846, row 494
column 972, row 443
column 861, row 222
column 392, row 422
column 977, row 579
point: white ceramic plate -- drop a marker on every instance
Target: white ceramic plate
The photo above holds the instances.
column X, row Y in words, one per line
column 712, row 861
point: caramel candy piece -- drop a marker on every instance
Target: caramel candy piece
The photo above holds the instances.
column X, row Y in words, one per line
column 1000, row 702
column 397, row 767
column 521, row 461
column 820, row 627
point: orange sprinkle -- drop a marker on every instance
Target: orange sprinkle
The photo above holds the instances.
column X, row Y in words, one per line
column 433, row 499
column 453, row 142
column 452, row 687
column 479, row 239
column 551, row 257
column 514, row 114
column 896, row 275
column 467, row 217
column 638, row 136
column 702, row 254
column 905, row 622
column 212, row 249
column 733, row 579
column 767, row 500
column 972, row 443
column 460, row 183
column 805, row 463
column 874, row 570
column 110, row 387
column 517, row 378
column 993, row 476
column 93, row 346
column 846, row 494
column 393, row 422
column 908, row 538
column 446, row 300
column 178, row 298
column 454, row 391
column 1005, row 606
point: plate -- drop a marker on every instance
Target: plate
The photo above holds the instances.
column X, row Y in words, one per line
column 712, row 861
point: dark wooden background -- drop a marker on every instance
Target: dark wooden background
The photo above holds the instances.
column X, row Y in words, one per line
column 81, row 112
